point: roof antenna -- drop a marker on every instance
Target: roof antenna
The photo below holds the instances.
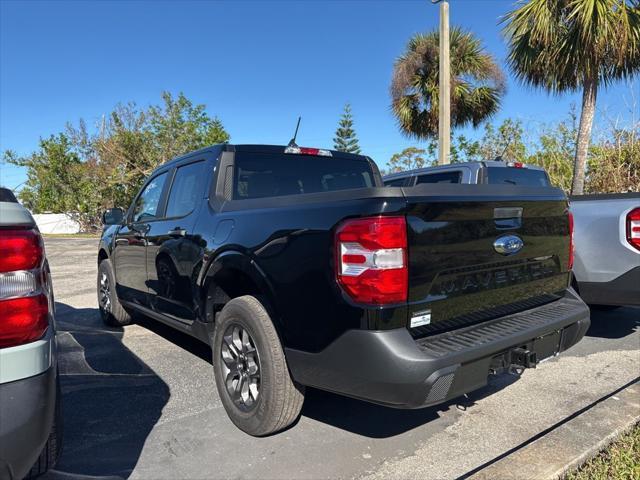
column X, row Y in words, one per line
column 292, row 142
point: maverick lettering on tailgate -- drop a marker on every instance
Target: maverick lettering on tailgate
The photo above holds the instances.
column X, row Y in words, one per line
column 456, row 282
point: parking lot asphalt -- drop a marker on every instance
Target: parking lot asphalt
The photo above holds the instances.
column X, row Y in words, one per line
column 140, row 402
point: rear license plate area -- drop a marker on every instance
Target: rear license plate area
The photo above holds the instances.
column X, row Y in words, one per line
column 547, row 346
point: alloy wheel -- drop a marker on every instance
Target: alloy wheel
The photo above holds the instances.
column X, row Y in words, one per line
column 105, row 293
column 240, row 367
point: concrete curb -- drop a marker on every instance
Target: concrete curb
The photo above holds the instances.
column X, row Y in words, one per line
column 572, row 443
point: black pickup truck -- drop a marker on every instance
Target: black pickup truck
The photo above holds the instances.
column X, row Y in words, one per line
column 300, row 269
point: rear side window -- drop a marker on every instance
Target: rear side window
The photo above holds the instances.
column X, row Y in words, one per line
column 517, row 176
column 443, row 177
column 399, row 182
column 271, row 175
column 186, row 189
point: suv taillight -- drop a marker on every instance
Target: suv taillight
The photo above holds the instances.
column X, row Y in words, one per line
column 571, row 247
column 24, row 304
column 633, row 227
column 371, row 259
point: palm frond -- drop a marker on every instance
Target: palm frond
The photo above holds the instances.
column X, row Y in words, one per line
column 414, row 85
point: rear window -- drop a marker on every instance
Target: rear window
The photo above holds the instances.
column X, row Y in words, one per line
column 517, row 176
column 7, row 195
column 270, row 175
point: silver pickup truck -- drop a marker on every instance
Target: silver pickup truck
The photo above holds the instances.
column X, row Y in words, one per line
column 30, row 415
column 607, row 248
column 487, row 172
column 606, row 235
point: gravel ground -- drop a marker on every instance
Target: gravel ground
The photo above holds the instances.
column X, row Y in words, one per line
column 140, row 402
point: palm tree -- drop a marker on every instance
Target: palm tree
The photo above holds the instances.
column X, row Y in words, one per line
column 567, row 45
column 477, row 84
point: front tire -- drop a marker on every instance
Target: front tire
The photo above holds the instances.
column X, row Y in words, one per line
column 251, row 373
column 112, row 312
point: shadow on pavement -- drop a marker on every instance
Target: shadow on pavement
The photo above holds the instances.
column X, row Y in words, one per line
column 614, row 323
column 111, row 399
column 350, row 414
column 376, row 421
column 184, row 341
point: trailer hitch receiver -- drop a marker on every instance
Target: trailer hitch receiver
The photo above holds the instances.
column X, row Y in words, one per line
column 521, row 358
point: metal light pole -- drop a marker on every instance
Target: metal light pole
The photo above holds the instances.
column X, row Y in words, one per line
column 444, row 80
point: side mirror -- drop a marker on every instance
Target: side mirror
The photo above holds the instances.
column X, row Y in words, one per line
column 113, row 216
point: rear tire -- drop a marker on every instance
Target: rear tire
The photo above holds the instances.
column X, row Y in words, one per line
column 251, row 373
column 112, row 312
column 52, row 449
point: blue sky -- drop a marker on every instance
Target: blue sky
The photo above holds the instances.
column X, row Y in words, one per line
column 256, row 65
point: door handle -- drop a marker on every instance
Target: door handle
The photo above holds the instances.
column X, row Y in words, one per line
column 177, row 232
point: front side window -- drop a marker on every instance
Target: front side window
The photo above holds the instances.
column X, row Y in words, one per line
column 185, row 190
column 148, row 203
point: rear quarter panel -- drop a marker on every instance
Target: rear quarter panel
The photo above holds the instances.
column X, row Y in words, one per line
column 290, row 241
column 602, row 252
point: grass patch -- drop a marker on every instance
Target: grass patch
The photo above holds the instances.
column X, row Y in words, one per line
column 620, row 460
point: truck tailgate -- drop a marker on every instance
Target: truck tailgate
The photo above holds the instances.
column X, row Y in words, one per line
column 457, row 274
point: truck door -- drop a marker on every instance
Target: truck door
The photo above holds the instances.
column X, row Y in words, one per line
column 174, row 251
column 129, row 252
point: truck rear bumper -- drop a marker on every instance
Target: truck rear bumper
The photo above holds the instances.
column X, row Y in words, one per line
column 623, row 290
column 392, row 368
column 27, row 409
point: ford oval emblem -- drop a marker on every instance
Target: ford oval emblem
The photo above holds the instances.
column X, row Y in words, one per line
column 508, row 244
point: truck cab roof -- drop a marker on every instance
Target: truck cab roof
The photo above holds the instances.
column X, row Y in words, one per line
column 254, row 148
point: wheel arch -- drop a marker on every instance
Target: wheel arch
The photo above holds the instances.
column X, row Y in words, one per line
column 102, row 255
column 233, row 274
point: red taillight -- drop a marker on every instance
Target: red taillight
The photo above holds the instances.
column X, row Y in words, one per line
column 20, row 250
column 371, row 259
column 24, row 305
column 633, row 227
column 571, row 252
column 23, row 319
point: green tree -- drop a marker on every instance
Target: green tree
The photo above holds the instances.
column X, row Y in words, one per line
column 477, row 84
column 463, row 149
column 614, row 163
column 58, row 181
column 504, row 142
column 132, row 142
column 83, row 173
column 178, row 126
column 346, row 139
column 554, row 150
column 569, row 45
column 52, row 174
column 409, row 159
